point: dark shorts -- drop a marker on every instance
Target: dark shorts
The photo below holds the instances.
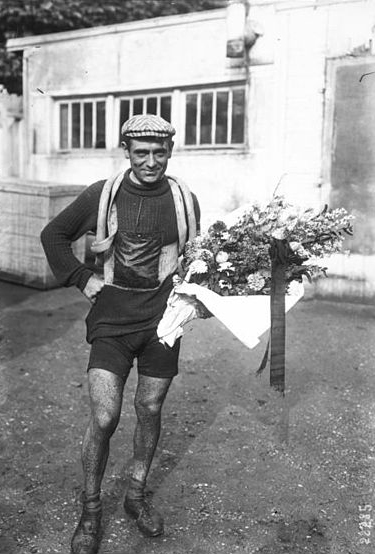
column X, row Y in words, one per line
column 117, row 354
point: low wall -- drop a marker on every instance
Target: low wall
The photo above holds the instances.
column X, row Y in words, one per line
column 26, row 207
column 349, row 277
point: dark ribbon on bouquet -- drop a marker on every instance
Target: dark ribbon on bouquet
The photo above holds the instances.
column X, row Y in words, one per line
column 279, row 252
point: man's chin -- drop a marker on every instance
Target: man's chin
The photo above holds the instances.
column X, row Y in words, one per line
column 147, row 178
column 150, row 179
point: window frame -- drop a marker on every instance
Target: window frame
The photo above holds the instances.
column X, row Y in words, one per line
column 131, row 97
column 178, row 106
column 93, row 100
column 215, row 89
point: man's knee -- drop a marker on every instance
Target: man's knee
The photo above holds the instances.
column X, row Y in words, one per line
column 105, row 390
column 105, row 420
column 147, row 406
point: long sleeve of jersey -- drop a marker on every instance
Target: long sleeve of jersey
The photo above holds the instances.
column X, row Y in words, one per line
column 69, row 225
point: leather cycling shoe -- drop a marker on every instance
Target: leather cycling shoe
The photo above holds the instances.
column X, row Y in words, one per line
column 86, row 537
column 149, row 521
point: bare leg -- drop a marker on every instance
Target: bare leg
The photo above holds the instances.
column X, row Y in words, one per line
column 105, row 389
column 149, row 398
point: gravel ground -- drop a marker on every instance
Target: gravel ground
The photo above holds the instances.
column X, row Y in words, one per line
column 239, row 468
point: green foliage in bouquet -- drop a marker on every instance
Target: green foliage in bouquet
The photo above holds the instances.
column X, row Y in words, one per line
column 237, row 260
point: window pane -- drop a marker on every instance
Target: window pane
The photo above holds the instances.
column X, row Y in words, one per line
column 76, row 124
column 238, row 116
column 138, row 106
column 165, row 107
column 151, row 105
column 191, row 119
column 87, row 125
column 100, row 125
column 64, row 126
column 124, row 114
column 221, row 118
column 206, row 117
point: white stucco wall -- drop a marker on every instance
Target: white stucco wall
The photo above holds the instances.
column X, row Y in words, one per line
column 287, row 106
column 286, row 99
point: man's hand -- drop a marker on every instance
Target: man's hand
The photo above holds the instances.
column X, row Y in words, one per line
column 184, row 287
column 93, row 287
column 193, row 290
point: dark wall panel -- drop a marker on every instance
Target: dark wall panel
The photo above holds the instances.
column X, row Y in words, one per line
column 353, row 156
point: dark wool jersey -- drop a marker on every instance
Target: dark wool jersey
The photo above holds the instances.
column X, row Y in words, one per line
column 146, row 222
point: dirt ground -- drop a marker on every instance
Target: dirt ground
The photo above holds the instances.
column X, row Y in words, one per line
column 239, row 468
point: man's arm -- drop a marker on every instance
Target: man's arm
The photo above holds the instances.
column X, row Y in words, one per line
column 69, row 225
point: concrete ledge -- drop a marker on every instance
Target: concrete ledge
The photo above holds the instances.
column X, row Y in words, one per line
column 27, row 207
column 39, row 188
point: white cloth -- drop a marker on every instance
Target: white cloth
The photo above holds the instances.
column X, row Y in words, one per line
column 180, row 310
column 247, row 317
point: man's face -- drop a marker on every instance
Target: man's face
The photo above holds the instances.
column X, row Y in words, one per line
column 148, row 158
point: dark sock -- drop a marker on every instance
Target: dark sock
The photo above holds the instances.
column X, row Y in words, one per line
column 135, row 489
column 92, row 502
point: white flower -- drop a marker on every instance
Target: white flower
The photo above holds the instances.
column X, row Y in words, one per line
column 224, row 284
column 198, row 266
column 225, row 266
column 298, row 248
column 279, row 233
column 295, row 245
column 222, row 257
column 256, row 281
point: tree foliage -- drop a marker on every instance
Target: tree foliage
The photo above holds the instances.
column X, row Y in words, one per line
column 19, row 18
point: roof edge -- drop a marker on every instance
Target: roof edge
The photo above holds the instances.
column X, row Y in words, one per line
column 22, row 43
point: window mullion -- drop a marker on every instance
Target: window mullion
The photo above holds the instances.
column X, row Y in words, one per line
column 213, row 122
column 93, row 124
column 198, row 122
column 82, row 124
column 230, row 108
column 69, row 125
column 158, row 105
column 116, row 122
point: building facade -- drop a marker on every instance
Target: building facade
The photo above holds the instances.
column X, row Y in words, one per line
column 299, row 116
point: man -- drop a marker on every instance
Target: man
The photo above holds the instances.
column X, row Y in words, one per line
column 142, row 220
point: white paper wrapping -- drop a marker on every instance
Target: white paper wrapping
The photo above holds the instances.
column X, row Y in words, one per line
column 247, row 317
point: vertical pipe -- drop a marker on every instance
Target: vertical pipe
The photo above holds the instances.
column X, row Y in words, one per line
column 25, row 170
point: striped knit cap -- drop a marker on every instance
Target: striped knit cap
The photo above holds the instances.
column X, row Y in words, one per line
column 147, row 125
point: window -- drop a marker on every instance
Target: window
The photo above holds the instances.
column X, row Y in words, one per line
column 215, row 117
column 82, row 124
column 157, row 104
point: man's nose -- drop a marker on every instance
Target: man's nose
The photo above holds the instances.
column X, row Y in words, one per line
column 151, row 162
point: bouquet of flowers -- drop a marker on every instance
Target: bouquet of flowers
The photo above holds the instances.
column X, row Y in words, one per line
column 236, row 260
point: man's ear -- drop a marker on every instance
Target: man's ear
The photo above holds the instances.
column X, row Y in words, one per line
column 126, row 149
column 171, row 145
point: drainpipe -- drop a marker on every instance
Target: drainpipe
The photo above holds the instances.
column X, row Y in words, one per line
column 242, row 34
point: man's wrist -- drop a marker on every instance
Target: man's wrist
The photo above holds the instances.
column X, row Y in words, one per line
column 84, row 278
